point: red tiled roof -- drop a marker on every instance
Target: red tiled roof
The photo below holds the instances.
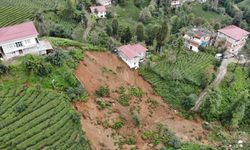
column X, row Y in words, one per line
column 132, row 51
column 234, row 32
column 98, row 9
column 17, row 32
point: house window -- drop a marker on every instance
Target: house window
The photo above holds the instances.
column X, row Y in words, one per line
column 19, row 44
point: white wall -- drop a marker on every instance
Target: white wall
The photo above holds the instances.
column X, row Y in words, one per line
column 26, row 42
column 132, row 63
column 101, row 15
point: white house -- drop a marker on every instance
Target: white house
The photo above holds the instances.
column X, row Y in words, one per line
column 196, row 37
column 21, row 39
column 132, row 55
column 176, row 3
column 98, row 11
column 233, row 37
column 104, row 2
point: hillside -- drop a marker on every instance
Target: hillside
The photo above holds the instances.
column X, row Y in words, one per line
column 35, row 119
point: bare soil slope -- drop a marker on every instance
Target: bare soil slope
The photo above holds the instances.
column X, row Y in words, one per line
column 104, row 68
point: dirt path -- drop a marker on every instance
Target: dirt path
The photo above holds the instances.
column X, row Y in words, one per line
column 100, row 69
column 89, row 25
column 220, row 76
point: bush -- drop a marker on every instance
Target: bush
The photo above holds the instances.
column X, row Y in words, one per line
column 103, row 91
column 136, row 119
column 189, row 102
column 3, row 69
column 102, row 104
column 37, row 65
column 117, row 125
column 20, row 107
column 124, row 99
column 135, row 91
column 75, row 92
column 130, row 140
column 76, row 54
column 75, row 116
column 175, row 143
column 56, row 58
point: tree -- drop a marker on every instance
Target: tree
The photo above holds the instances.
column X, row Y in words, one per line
column 109, row 30
column 140, row 32
column 151, row 34
column 67, row 10
column 138, row 3
column 121, row 2
column 210, row 110
column 179, row 47
column 40, row 23
column 115, row 26
column 161, row 36
column 237, row 18
column 126, row 35
column 189, row 102
column 145, row 15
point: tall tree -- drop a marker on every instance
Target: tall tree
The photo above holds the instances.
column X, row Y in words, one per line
column 161, row 36
column 140, row 32
column 126, row 35
column 151, row 35
column 115, row 26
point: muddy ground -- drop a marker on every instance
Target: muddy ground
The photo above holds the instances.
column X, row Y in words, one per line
column 104, row 68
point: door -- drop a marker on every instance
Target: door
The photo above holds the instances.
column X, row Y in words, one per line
column 191, row 47
column 20, row 52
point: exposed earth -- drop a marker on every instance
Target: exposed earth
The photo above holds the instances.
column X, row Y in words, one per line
column 106, row 69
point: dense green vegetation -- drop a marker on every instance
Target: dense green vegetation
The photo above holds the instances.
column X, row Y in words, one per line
column 32, row 118
column 230, row 102
column 41, row 71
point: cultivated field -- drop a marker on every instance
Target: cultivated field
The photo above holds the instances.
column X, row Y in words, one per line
column 34, row 119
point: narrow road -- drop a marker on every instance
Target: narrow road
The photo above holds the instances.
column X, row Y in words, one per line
column 220, row 76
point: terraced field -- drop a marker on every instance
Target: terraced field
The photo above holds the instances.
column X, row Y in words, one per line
column 189, row 66
column 13, row 11
column 33, row 119
column 175, row 81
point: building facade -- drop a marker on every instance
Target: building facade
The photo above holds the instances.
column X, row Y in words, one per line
column 196, row 37
column 233, row 38
column 22, row 39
